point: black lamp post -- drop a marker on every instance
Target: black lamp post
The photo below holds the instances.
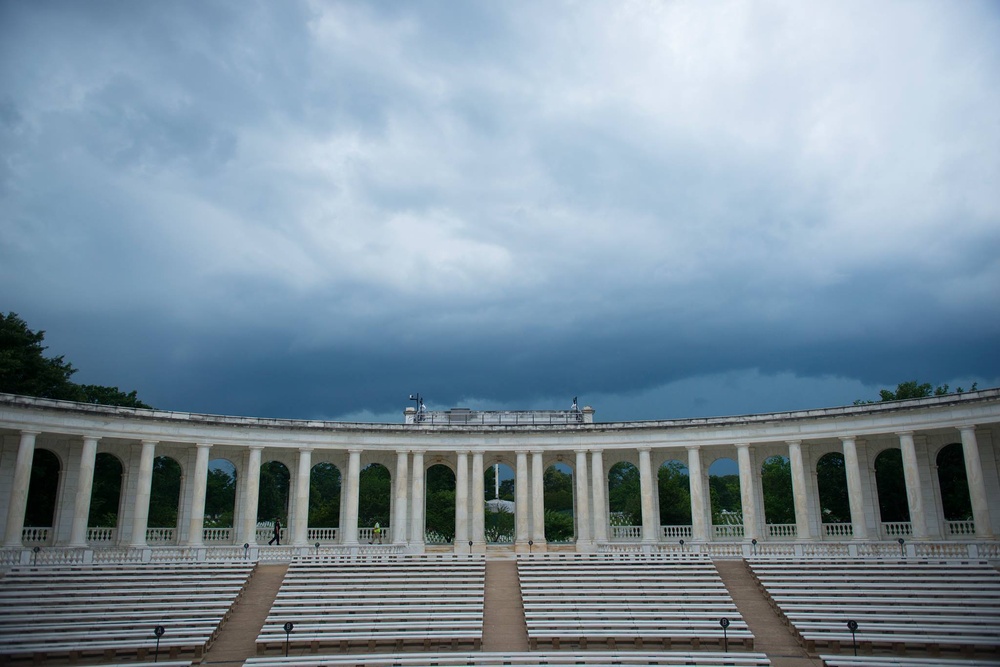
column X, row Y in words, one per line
column 852, row 625
column 158, row 631
column 682, row 545
column 754, row 543
column 724, row 622
column 289, row 626
column 34, row 555
column 902, row 552
column 246, row 550
column 530, row 544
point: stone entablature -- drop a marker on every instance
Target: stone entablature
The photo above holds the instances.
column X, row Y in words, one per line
column 919, row 428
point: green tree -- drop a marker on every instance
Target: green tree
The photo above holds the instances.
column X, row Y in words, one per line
column 106, row 493
column 324, row 496
column 557, row 487
column 914, row 389
column 675, row 494
column 374, row 495
column 558, row 526
column 220, row 498
column 273, row 494
column 831, row 477
column 165, row 493
column 23, row 367
column 724, row 491
column 776, row 487
column 440, row 504
column 25, row 370
column 624, row 496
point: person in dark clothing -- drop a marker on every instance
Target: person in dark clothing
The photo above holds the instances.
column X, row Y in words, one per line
column 277, row 533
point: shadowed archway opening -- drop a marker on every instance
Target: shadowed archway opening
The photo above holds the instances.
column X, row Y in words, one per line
column 954, row 484
column 674, row 490
column 776, row 487
column 42, row 490
column 557, row 487
column 439, row 507
column 165, row 493
column 624, row 501
column 831, row 478
column 498, row 518
column 220, row 498
column 891, row 486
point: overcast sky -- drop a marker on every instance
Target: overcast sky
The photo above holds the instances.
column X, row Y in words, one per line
column 315, row 209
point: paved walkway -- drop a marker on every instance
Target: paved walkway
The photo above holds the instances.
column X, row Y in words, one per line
column 770, row 634
column 238, row 638
column 504, row 628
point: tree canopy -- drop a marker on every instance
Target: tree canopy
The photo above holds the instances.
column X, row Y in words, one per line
column 25, row 370
column 914, row 389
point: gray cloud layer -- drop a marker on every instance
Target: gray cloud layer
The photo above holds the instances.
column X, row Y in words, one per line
column 313, row 209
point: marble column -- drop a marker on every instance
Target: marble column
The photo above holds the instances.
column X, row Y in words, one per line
column 799, row 492
column 417, row 501
column 400, row 495
column 478, row 536
column 19, row 490
column 84, row 490
column 521, row 500
column 300, row 527
column 699, row 526
column 582, row 499
column 914, row 491
column 537, row 498
column 199, row 487
column 462, row 503
column 977, row 485
column 599, row 486
column 647, row 495
column 350, row 527
column 855, row 489
column 748, row 492
column 140, row 519
column 251, row 496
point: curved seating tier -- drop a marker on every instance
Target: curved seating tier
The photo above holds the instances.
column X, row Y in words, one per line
column 108, row 610
column 901, row 661
column 435, row 601
column 487, row 659
column 898, row 604
column 638, row 599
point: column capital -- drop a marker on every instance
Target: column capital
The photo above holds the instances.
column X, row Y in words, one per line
column 967, row 427
column 644, row 448
column 848, row 438
column 355, row 450
column 796, row 443
column 463, row 452
column 28, row 431
column 95, row 438
column 306, row 448
column 581, row 451
column 256, row 448
column 203, row 445
column 742, row 445
column 403, row 452
column 537, row 451
column 902, row 433
column 149, row 442
column 692, row 448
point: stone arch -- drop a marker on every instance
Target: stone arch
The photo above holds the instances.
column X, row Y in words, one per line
column 724, row 495
column 560, row 510
column 624, row 501
column 165, row 493
column 43, row 491
column 890, row 485
column 500, row 488
column 831, row 482
column 325, row 491
column 956, row 503
column 220, row 497
column 776, row 489
column 439, row 504
column 105, row 499
column 674, row 490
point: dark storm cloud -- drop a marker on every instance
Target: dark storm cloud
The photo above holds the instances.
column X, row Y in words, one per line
column 315, row 209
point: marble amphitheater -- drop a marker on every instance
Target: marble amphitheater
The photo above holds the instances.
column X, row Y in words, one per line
column 914, row 585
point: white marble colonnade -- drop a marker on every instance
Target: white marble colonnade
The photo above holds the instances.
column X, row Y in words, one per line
column 589, row 460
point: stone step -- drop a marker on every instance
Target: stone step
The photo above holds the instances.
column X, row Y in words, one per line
column 237, row 640
column 770, row 633
column 504, row 627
